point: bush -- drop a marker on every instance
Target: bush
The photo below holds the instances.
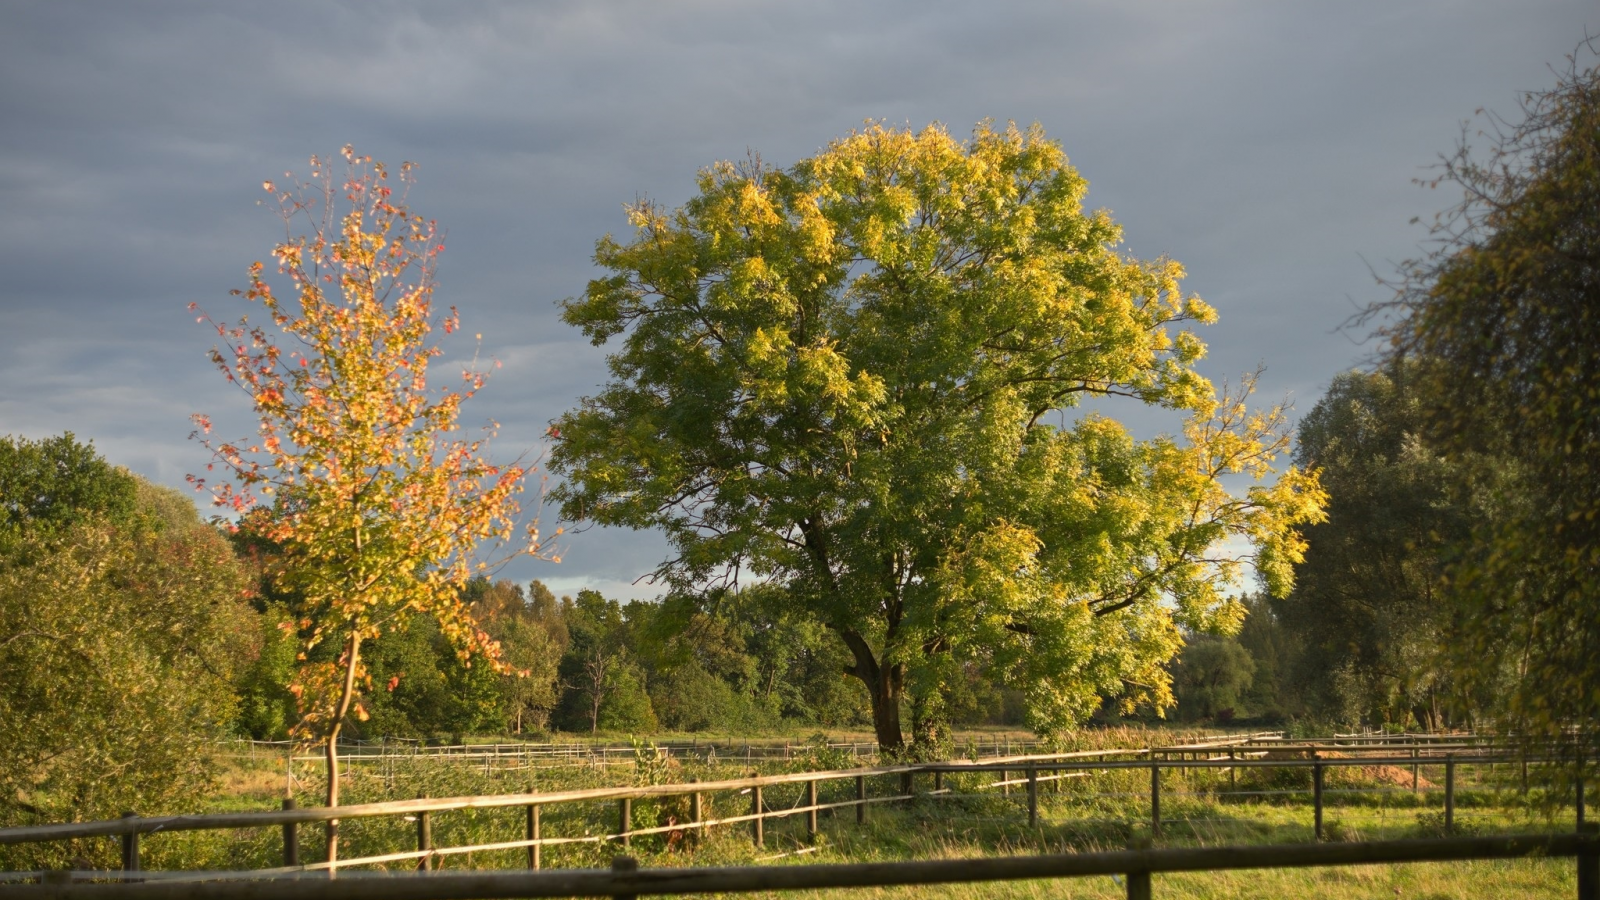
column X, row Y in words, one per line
column 118, row 647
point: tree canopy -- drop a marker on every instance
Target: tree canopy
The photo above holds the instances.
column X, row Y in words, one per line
column 55, row 482
column 1503, row 321
column 850, row 378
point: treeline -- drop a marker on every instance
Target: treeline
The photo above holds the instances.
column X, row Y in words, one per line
column 742, row 662
column 134, row 633
column 587, row 664
column 1454, row 581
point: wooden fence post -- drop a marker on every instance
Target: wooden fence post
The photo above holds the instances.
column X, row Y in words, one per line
column 624, row 864
column 1233, row 772
column 291, row 838
column 861, row 799
column 625, row 820
column 1413, row 770
column 756, row 831
column 130, row 846
column 1139, row 881
column 1005, row 783
column 1578, row 800
column 1450, row 794
column 695, row 813
column 938, row 780
column 1139, row 885
column 1589, row 864
column 424, row 841
column 533, row 830
column 1155, row 801
column 1033, row 796
column 811, row 813
column 1316, row 797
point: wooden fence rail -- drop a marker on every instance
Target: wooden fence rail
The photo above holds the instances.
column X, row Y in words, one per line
column 625, row 879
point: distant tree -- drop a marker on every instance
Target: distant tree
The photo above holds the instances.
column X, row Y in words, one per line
column 1367, row 611
column 55, row 482
column 267, row 709
column 527, row 633
column 603, row 687
column 380, row 502
column 423, row 689
column 1504, row 323
column 724, row 668
column 1211, row 677
column 851, row 377
column 1273, row 649
column 546, row 612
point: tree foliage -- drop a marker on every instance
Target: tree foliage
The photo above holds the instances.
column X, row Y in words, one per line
column 1211, row 677
column 122, row 626
column 379, row 499
column 1368, row 607
column 51, row 484
column 1503, row 322
column 606, row 690
column 844, row 377
column 532, row 638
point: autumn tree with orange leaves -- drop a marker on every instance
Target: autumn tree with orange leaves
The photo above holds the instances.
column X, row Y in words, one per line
column 360, row 474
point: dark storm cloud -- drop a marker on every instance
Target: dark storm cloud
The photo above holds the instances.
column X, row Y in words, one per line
column 1268, row 146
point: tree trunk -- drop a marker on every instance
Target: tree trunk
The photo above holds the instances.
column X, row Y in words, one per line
column 347, row 696
column 885, row 687
column 597, row 675
column 886, row 710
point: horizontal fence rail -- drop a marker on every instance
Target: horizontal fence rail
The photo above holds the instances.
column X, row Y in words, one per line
column 624, row 880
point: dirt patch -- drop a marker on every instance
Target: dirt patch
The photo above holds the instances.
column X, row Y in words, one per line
column 1394, row 775
column 1398, row 776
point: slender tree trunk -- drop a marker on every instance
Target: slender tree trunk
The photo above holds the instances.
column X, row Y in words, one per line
column 596, row 676
column 346, row 697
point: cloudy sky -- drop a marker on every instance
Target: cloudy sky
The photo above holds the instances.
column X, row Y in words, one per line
column 1269, row 146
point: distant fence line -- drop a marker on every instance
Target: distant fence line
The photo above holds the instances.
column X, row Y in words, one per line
column 710, row 749
column 721, row 750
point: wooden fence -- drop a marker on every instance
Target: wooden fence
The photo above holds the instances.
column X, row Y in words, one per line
column 626, row 880
column 1026, row 773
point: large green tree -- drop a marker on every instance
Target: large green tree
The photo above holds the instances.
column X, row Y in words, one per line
column 53, row 483
column 1504, row 320
column 845, row 377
